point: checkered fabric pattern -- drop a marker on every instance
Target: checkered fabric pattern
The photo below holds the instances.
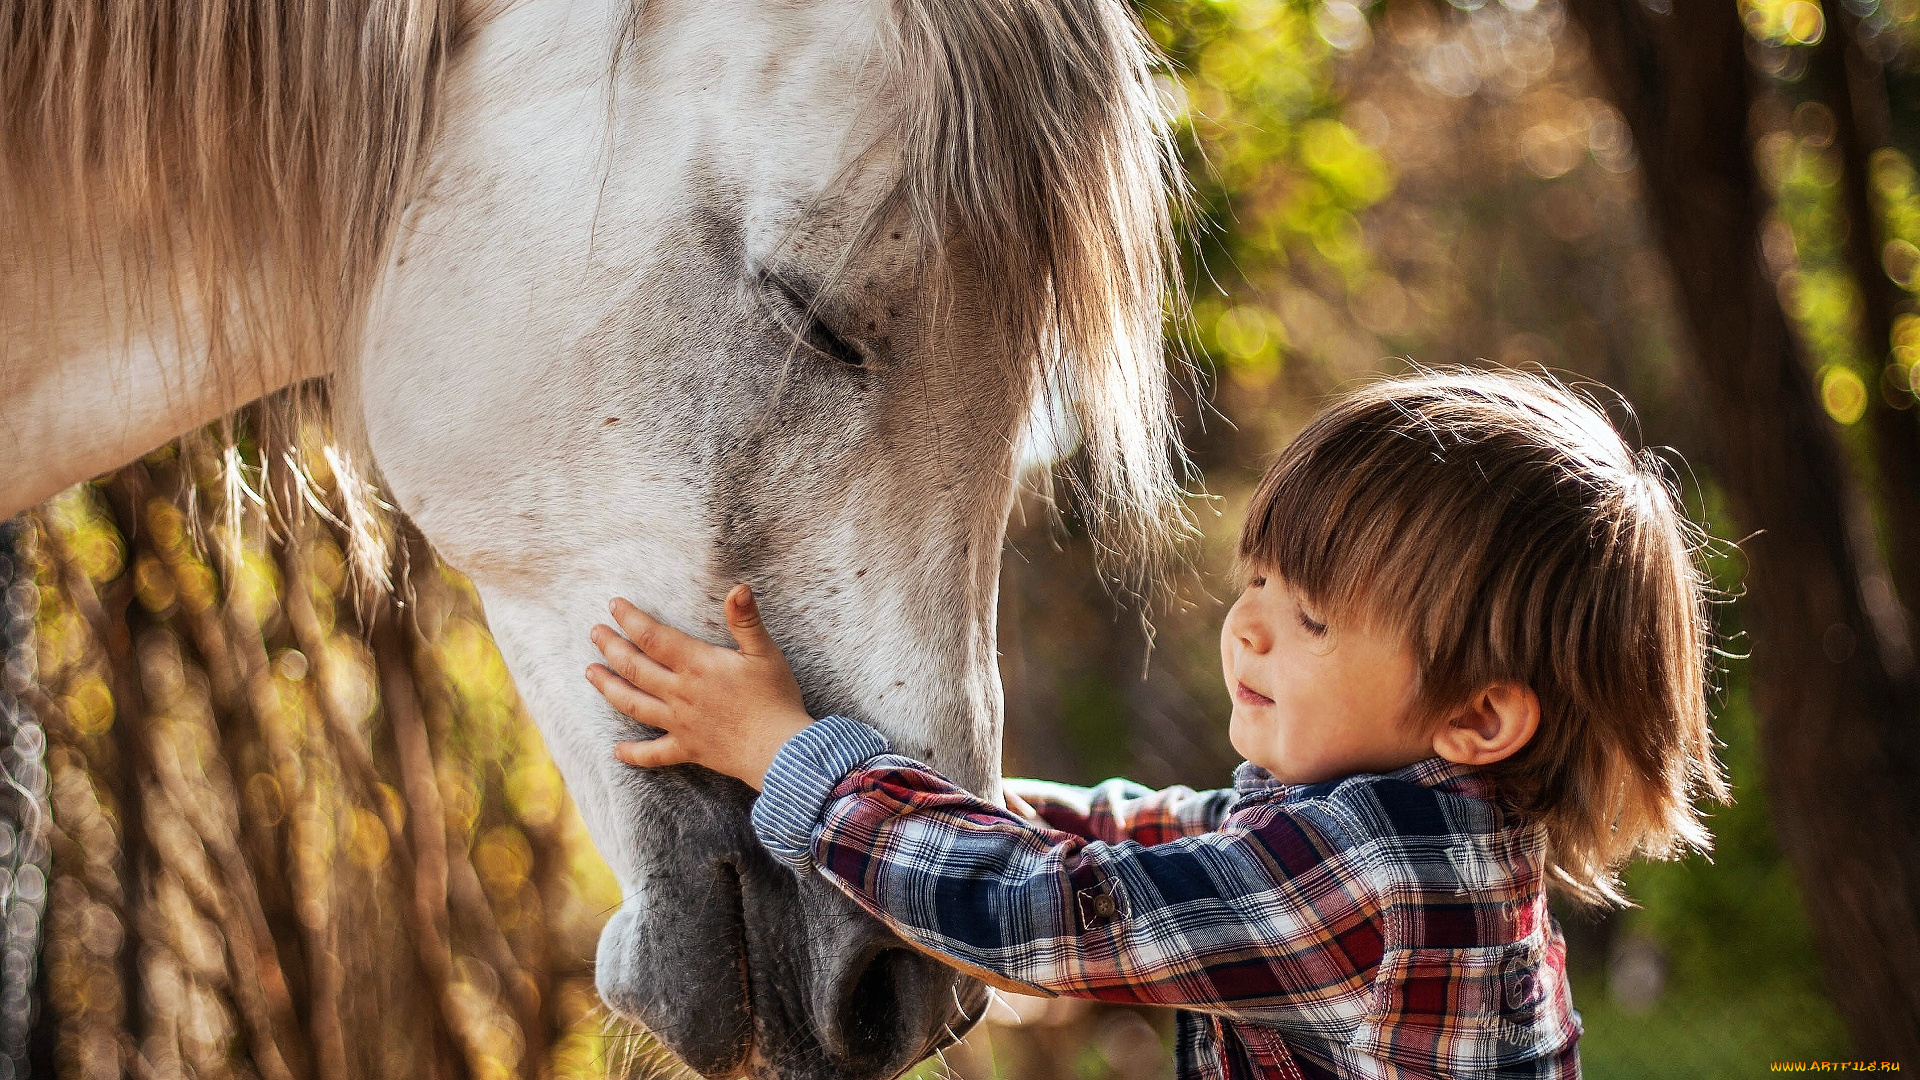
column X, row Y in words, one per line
column 1381, row 926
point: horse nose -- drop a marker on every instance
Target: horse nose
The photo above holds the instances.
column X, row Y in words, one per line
column 748, row 969
column 892, row 1007
column 863, row 1026
column 738, row 966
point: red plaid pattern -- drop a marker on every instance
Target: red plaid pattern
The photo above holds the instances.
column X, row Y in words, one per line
column 1382, row 926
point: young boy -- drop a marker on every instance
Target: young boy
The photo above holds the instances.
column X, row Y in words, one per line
column 1469, row 661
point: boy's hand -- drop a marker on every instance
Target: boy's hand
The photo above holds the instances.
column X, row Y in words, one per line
column 1020, row 807
column 729, row 710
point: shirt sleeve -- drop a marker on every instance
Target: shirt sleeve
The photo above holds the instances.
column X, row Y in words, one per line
column 1118, row 810
column 1269, row 918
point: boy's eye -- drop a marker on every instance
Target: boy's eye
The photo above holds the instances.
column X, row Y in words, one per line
column 1312, row 626
column 1256, row 583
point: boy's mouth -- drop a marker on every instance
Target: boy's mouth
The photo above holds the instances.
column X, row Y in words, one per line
column 1245, row 696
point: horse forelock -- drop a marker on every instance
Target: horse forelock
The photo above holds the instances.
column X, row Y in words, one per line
column 248, row 163
column 1034, row 134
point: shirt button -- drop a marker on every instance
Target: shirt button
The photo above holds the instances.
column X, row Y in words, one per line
column 1098, row 905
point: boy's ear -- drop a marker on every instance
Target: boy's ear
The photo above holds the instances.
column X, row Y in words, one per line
column 1492, row 726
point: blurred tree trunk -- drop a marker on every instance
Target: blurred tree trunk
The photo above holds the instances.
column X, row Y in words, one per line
column 1854, row 85
column 23, row 840
column 282, row 847
column 1832, row 660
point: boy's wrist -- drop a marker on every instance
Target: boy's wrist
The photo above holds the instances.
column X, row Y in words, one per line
column 766, row 745
column 800, row 780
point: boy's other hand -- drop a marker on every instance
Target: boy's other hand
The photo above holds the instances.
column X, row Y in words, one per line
column 1020, row 807
column 727, row 709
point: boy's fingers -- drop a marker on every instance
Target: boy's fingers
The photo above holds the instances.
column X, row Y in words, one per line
column 743, row 618
column 653, row 753
column 628, row 698
column 655, row 638
column 629, row 662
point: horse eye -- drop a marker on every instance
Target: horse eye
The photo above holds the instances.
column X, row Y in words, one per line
column 796, row 313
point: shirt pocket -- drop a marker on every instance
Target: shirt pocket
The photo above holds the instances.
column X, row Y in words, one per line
column 1460, row 1007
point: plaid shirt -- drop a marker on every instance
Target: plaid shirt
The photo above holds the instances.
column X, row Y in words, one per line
column 1390, row 926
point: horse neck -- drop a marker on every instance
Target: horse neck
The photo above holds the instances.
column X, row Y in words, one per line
column 251, row 157
column 100, row 363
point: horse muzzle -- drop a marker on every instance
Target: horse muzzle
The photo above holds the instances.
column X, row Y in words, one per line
column 741, row 967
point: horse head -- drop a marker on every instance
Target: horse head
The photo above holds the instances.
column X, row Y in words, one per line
column 647, row 299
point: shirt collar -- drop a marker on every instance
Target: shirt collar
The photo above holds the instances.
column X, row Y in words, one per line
column 1433, row 772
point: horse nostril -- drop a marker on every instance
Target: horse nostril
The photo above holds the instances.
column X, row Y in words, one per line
column 870, row 1016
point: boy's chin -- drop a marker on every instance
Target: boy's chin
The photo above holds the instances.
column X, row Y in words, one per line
column 1289, row 769
column 1264, row 757
column 1284, row 773
column 1246, row 747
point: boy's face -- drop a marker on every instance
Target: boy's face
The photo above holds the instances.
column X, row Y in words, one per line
column 1315, row 700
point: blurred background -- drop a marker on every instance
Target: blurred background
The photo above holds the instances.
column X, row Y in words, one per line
column 251, row 833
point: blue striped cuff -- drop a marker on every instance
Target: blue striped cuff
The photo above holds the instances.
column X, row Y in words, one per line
column 793, row 797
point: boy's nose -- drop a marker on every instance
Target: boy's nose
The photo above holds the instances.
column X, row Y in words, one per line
column 1247, row 627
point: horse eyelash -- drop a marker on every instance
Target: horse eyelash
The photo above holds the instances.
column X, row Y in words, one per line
column 813, row 333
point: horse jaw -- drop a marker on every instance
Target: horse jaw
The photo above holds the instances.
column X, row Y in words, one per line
column 574, row 384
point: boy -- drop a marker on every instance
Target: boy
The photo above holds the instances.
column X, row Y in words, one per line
column 1469, row 660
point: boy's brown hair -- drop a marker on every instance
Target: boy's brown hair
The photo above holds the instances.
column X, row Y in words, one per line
column 1498, row 521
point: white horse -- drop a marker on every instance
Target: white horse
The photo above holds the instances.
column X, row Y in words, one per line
column 638, row 299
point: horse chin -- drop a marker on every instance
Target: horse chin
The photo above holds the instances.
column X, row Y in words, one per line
column 755, row 971
column 713, row 1036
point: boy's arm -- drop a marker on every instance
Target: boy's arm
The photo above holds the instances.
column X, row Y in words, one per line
column 1118, row 810
column 1269, row 918
column 1275, row 923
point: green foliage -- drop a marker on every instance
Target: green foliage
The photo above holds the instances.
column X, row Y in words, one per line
column 1091, row 709
column 1279, row 178
column 1898, row 194
column 1704, row 1037
column 1743, row 980
column 1733, row 922
column 1806, row 244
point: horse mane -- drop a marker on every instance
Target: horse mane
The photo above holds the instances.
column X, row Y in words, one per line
column 1034, row 134
column 246, row 160
column 232, row 166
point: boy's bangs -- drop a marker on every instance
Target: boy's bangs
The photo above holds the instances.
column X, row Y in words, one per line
column 1360, row 527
